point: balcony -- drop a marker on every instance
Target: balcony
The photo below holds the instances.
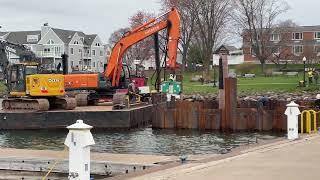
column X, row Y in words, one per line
column 48, row 54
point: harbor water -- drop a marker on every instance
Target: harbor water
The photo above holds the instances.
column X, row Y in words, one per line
column 138, row 141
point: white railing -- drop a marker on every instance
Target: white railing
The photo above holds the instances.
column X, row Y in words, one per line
column 49, row 54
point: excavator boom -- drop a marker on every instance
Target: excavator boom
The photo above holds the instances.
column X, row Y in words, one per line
column 170, row 21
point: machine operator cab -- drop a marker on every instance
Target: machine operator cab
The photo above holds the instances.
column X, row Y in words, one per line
column 17, row 74
column 25, row 79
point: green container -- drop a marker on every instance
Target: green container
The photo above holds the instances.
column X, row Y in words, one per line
column 171, row 87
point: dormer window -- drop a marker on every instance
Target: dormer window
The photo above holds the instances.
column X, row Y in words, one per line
column 50, row 41
column 32, row 38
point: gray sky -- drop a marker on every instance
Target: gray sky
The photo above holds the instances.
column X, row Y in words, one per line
column 105, row 16
column 90, row 16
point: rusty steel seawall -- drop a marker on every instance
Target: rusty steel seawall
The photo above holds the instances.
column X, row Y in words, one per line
column 206, row 116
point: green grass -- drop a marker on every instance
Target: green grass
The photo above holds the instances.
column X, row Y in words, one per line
column 259, row 84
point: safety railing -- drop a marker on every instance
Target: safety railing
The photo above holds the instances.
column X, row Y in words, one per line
column 308, row 116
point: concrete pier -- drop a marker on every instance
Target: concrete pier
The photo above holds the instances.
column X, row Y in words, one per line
column 294, row 160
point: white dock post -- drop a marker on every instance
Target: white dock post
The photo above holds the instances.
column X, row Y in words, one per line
column 292, row 113
column 79, row 140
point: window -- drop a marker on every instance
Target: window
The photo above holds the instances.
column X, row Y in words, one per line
column 46, row 50
column 297, row 50
column 71, row 50
column 93, row 52
column 297, row 36
column 50, row 41
column 71, row 63
column 32, row 38
column 94, row 64
column 82, row 39
column 317, row 35
column 253, row 53
column 275, row 37
column 57, row 51
column 101, row 53
column 80, row 50
column 97, row 44
column 76, row 42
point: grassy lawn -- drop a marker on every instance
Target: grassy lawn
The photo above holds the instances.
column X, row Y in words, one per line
column 260, row 84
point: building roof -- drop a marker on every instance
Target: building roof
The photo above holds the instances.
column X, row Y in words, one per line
column 3, row 33
column 307, row 28
column 88, row 40
column 64, row 35
column 225, row 48
column 20, row 37
column 67, row 35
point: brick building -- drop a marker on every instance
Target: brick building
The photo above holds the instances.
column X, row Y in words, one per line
column 291, row 44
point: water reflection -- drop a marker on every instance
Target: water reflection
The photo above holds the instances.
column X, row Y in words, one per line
column 140, row 141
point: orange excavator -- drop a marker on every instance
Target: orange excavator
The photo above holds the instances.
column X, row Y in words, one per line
column 116, row 75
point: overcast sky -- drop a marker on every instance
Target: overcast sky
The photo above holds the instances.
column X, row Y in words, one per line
column 105, row 16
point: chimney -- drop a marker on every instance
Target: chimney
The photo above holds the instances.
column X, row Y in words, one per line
column 44, row 29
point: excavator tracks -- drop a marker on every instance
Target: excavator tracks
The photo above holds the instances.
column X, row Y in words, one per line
column 26, row 104
column 38, row 104
column 66, row 103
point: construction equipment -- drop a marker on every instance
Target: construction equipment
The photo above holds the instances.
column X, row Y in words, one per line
column 28, row 89
column 116, row 75
column 21, row 52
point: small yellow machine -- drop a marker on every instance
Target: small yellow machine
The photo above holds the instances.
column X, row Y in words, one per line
column 28, row 89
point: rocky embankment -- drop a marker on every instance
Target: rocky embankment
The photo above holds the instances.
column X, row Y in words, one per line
column 277, row 96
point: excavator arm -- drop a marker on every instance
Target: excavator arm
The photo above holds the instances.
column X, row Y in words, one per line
column 170, row 21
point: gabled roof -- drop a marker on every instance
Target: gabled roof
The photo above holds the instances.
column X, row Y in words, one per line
column 67, row 35
column 20, row 37
column 64, row 35
column 225, row 48
column 3, row 33
column 88, row 40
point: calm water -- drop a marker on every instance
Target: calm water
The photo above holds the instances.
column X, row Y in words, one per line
column 141, row 141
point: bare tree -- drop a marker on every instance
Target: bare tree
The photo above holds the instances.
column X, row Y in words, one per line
column 144, row 49
column 187, row 24
column 212, row 17
column 257, row 18
column 140, row 51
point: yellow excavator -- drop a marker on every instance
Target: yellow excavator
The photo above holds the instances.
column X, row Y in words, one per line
column 29, row 89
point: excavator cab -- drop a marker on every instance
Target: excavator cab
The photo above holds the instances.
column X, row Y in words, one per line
column 17, row 74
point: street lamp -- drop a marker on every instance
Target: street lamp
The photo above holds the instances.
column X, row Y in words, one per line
column 304, row 71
